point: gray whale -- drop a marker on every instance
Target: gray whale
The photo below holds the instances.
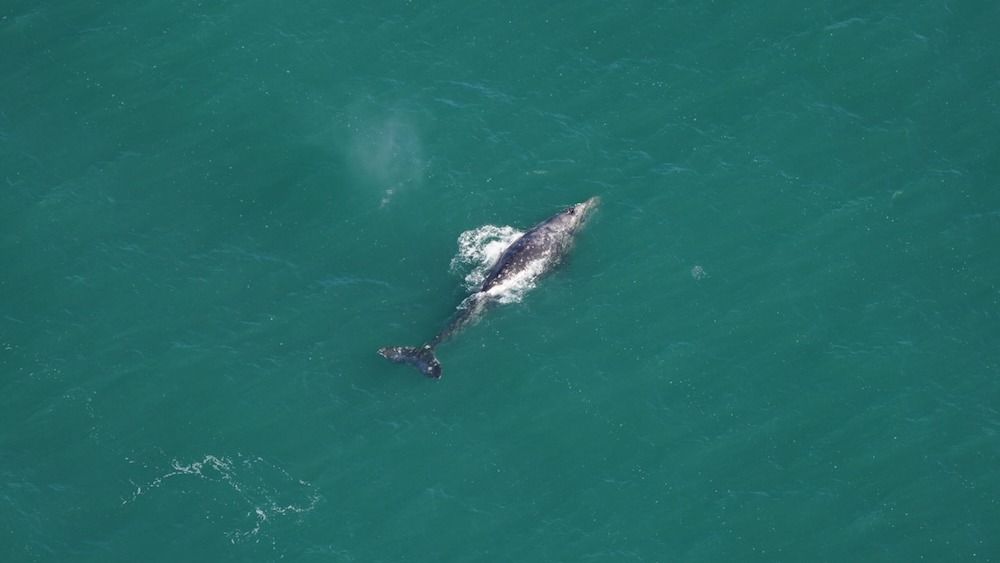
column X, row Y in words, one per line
column 532, row 255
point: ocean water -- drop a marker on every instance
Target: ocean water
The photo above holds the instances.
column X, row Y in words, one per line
column 777, row 340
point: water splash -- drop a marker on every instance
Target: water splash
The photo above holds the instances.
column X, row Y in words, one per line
column 479, row 249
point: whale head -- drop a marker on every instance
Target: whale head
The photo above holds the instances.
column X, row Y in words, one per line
column 575, row 216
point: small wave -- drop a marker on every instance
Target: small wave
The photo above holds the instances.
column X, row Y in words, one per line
column 254, row 491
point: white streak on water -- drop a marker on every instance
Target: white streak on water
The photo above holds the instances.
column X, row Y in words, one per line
column 262, row 491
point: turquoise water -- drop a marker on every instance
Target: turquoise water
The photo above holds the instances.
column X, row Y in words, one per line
column 776, row 341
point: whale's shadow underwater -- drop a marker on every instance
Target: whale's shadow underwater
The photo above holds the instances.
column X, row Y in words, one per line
column 535, row 253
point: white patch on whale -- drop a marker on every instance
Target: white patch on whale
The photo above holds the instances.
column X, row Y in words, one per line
column 514, row 287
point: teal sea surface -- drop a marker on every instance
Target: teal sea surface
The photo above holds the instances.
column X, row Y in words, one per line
column 777, row 340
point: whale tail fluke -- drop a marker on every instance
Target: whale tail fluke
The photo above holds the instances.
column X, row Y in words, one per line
column 422, row 358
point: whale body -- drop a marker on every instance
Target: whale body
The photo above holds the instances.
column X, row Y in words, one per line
column 529, row 257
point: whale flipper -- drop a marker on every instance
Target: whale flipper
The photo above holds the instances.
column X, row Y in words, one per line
column 422, row 358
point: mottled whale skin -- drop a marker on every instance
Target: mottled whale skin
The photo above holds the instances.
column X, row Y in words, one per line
column 532, row 255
